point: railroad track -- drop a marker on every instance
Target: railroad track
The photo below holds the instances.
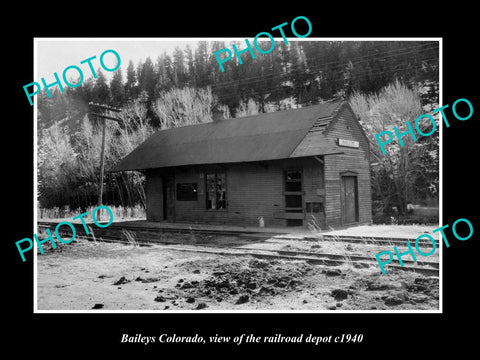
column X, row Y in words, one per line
column 150, row 237
column 250, row 234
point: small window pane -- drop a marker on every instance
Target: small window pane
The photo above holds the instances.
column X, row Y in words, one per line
column 221, row 201
column 210, row 191
column 215, row 191
column 294, row 175
column 293, row 186
column 315, row 207
column 293, row 201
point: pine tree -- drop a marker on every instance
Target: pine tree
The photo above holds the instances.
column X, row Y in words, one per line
column 101, row 91
column 146, row 77
column 298, row 74
column 130, row 85
column 45, row 108
column 179, row 70
column 117, row 91
column 164, row 80
column 201, row 64
column 190, row 78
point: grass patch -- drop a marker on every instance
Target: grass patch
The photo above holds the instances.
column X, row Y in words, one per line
column 408, row 219
column 119, row 212
column 131, row 237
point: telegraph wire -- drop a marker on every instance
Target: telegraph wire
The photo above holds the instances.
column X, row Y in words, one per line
column 315, row 69
column 354, row 77
column 354, row 61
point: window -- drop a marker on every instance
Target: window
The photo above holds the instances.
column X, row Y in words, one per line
column 314, row 207
column 293, row 191
column 187, row 192
column 216, row 191
column 293, row 186
column 293, row 201
column 294, row 176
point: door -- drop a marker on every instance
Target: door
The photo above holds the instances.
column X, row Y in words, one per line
column 169, row 198
column 349, row 199
column 293, row 198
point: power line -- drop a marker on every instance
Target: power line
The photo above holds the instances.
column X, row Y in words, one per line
column 368, row 71
column 355, row 77
column 365, row 57
column 358, row 60
column 364, row 73
column 332, row 72
column 313, row 70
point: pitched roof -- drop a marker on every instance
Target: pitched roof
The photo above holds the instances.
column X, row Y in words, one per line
column 269, row 136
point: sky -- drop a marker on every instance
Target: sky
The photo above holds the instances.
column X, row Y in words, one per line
column 55, row 54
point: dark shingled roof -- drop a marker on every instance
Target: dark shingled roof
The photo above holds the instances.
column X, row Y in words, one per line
column 269, row 136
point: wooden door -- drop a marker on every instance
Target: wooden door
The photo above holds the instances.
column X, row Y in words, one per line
column 294, row 214
column 169, row 198
column 349, row 199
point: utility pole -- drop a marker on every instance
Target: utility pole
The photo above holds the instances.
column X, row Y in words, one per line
column 102, row 155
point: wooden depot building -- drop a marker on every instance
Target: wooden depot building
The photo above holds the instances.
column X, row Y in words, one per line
column 282, row 167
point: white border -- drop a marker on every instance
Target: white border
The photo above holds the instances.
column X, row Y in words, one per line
column 200, row 312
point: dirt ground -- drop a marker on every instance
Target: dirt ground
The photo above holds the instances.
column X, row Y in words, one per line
column 388, row 231
column 88, row 275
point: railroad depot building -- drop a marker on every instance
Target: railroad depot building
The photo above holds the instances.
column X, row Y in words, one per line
column 282, row 167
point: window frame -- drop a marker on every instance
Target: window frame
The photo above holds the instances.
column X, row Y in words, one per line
column 310, row 207
column 300, row 192
column 215, row 174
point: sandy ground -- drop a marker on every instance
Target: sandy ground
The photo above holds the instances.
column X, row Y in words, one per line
column 389, row 231
column 86, row 275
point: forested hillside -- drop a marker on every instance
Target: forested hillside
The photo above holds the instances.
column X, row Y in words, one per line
column 188, row 87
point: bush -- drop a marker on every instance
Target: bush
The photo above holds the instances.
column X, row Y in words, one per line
column 410, row 219
column 119, row 212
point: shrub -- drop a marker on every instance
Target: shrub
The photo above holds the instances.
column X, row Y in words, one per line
column 409, row 219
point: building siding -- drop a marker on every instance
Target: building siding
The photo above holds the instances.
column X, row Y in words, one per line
column 355, row 161
column 256, row 189
column 154, row 195
column 253, row 190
